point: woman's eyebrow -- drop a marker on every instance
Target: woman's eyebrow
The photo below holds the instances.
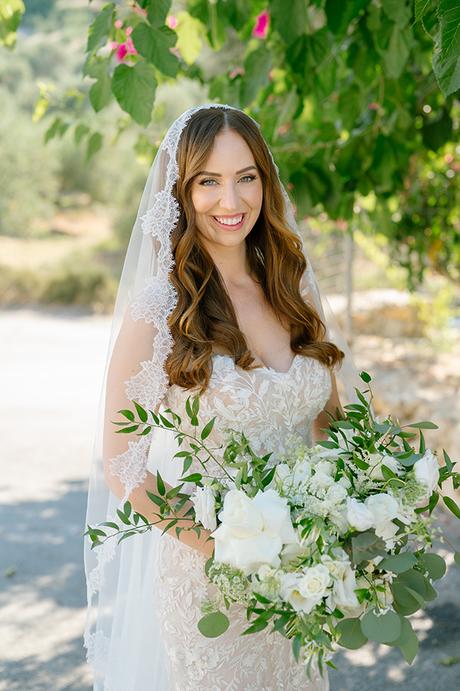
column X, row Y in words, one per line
column 218, row 175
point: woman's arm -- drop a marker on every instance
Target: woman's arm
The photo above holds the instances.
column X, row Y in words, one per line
column 331, row 406
column 133, row 346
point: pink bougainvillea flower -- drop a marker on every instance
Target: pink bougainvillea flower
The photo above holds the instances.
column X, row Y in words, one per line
column 171, row 21
column 130, row 46
column 113, row 45
column 118, row 24
column 129, row 30
column 122, row 52
column 260, row 29
column 234, row 73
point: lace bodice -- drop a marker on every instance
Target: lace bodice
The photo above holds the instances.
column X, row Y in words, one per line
column 267, row 405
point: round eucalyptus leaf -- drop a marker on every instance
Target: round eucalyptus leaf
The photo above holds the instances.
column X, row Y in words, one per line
column 351, row 635
column 398, row 563
column 213, row 625
column 434, row 564
column 383, row 628
column 407, row 641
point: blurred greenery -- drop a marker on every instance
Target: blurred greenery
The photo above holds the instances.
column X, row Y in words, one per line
column 358, row 101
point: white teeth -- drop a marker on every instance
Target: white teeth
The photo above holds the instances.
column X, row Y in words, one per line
column 229, row 222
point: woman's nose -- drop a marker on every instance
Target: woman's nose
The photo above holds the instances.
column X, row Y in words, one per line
column 229, row 197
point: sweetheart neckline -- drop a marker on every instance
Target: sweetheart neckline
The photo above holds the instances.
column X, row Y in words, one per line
column 261, row 367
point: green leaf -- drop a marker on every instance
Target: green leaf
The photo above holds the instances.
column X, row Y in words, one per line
column 190, row 34
column 154, row 44
column 207, row 429
column 447, row 461
column 382, row 629
column 256, row 67
column 100, row 92
column 123, row 518
column 134, row 88
column 194, row 477
column 160, row 484
column 155, row 498
column 128, row 430
column 110, row 524
column 351, row 635
column 406, row 600
column 457, row 558
column 296, row 646
column 398, row 563
column 127, row 508
column 94, row 144
column 452, row 506
column 141, row 412
column 425, row 424
column 213, row 624
column 157, row 11
column 417, row 581
column 366, row 546
column 289, row 24
column 421, row 7
column 99, row 28
column 127, row 414
column 434, row 564
column 407, row 641
column 365, row 376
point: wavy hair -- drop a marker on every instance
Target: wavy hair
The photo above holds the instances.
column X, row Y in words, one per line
column 204, row 316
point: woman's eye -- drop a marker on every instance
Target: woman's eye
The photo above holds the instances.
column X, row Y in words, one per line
column 245, row 177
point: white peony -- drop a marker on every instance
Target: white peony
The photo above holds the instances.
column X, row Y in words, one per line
column 253, row 530
column 426, row 471
column 358, row 515
column 204, row 503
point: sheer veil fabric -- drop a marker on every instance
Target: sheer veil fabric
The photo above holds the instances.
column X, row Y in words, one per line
column 122, row 635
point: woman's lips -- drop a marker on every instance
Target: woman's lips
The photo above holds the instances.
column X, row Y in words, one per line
column 226, row 226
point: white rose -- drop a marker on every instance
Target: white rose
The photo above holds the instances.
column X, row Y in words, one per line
column 321, row 481
column 426, row 471
column 314, row 582
column 306, row 590
column 204, row 504
column 387, row 531
column 383, row 508
column 290, row 552
column 358, row 515
column 253, row 530
column 290, row 592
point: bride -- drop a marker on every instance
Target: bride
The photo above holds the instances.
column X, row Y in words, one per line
column 218, row 297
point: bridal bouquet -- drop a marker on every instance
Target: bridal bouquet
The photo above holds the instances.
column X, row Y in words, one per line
column 331, row 545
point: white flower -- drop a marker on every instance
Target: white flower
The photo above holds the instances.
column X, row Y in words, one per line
column 290, row 552
column 204, row 503
column 344, row 583
column 253, row 530
column 383, row 508
column 358, row 515
column 336, row 494
column 376, row 460
column 426, row 471
column 305, row 590
column 301, row 472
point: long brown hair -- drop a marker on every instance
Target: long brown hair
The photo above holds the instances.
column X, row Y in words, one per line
column 204, row 316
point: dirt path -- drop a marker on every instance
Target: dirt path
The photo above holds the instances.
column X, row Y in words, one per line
column 52, row 366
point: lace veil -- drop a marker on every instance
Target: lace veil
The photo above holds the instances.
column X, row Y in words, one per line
column 122, row 636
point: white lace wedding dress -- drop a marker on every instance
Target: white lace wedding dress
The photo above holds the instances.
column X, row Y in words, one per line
column 268, row 406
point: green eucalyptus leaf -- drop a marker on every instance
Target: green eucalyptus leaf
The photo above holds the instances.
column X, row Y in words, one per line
column 407, row 641
column 213, row 624
column 398, row 563
column 434, row 564
column 351, row 635
column 383, row 628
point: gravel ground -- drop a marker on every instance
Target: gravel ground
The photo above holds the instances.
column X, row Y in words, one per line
column 52, row 363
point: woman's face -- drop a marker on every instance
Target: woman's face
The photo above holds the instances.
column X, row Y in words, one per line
column 227, row 194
